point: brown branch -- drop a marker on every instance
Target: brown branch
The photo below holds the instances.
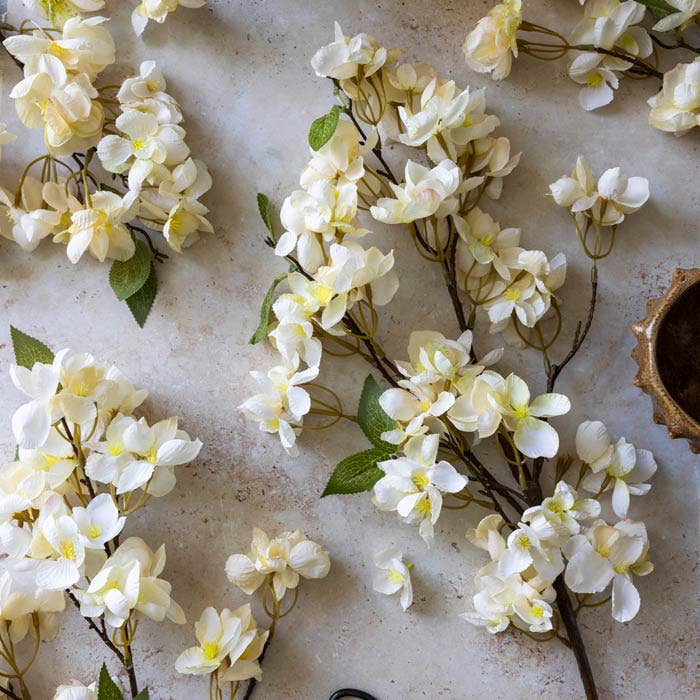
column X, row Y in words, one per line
column 8, row 693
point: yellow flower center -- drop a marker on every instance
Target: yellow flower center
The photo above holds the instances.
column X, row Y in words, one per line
column 138, row 144
column 420, row 480
column 210, row 649
column 68, row 550
column 94, row 531
column 152, row 455
column 537, row 611
column 115, row 448
column 524, row 542
column 152, row 85
column 594, row 79
column 520, row 412
column 395, row 576
column 55, row 49
column 512, row 294
column 423, row 507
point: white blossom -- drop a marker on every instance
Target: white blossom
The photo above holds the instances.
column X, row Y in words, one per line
column 284, row 559
column 413, row 483
column 492, row 44
column 158, row 11
column 676, row 108
column 393, row 575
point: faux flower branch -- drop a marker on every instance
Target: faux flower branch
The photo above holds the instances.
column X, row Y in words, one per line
column 546, row 541
column 148, row 185
column 84, row 464
column 614, row 39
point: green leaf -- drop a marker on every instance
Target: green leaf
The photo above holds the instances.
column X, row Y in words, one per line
column 106, row 688
column 143, row 695
column 658, row 8
column 261, row 331
column 371, row 416
column 323, row 128
column 356, row 473
column 141, row 302
column 265, row 215
column 29, row 350
column 129, row 276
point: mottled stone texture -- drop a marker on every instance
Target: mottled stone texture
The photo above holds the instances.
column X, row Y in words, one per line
column 240, row 69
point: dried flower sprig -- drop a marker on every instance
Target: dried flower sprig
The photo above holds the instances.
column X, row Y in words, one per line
column 426, row 425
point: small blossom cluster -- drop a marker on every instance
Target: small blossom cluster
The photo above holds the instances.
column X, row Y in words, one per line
column 512, row 286
column 230, row 642
column 606, row 202
column 565, row 534
column 151, row 153
column 614, row 26
column 443, row 387
column 619, row 45
column 337, row 273
column 57, row 92
column 70, row 205
column 58, row 533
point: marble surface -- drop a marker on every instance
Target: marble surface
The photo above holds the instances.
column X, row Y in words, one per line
column 241, row 72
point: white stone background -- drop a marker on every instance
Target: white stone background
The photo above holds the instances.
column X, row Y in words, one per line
column 241, row 72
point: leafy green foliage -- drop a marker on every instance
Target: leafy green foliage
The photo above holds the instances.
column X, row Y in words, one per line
column 371, row 416
column 359, row 472
column 658, row 8
column 265, row 214
column 323, row 128
column 29, row 350
column 143, row 695
column 356, row 473
column 127, row 277
column 107, row 689
column 141, row 302
column 261, row 331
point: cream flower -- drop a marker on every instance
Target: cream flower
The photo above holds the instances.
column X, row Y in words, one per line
column 284, row 559
column 158, row 11
column 563, row 510
column 606, row 553
column 472, row 411
column 282, row 403
column 393, row 575
column 218, row 634
column 59, row 11
column 413, row 484
column 99, row 522
column 343, row 58
column 525, row 548
column 595, row 71
column 243, row 657
column 676, row 108
column 147, row 146
column 424, row 193
column 532, row 436
column 491, row 45
column 84, row 47
column 578, row 192
column 129, row 581
column 619, row 465
column 21, row 596
column 411, row 405
column 607, row 23
column 68, row 112
column 483, row 244
column 339, row 157
column 135, row 455
column 99, row 228
column 29, row 223
column 75, row 690
column 457, row 117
